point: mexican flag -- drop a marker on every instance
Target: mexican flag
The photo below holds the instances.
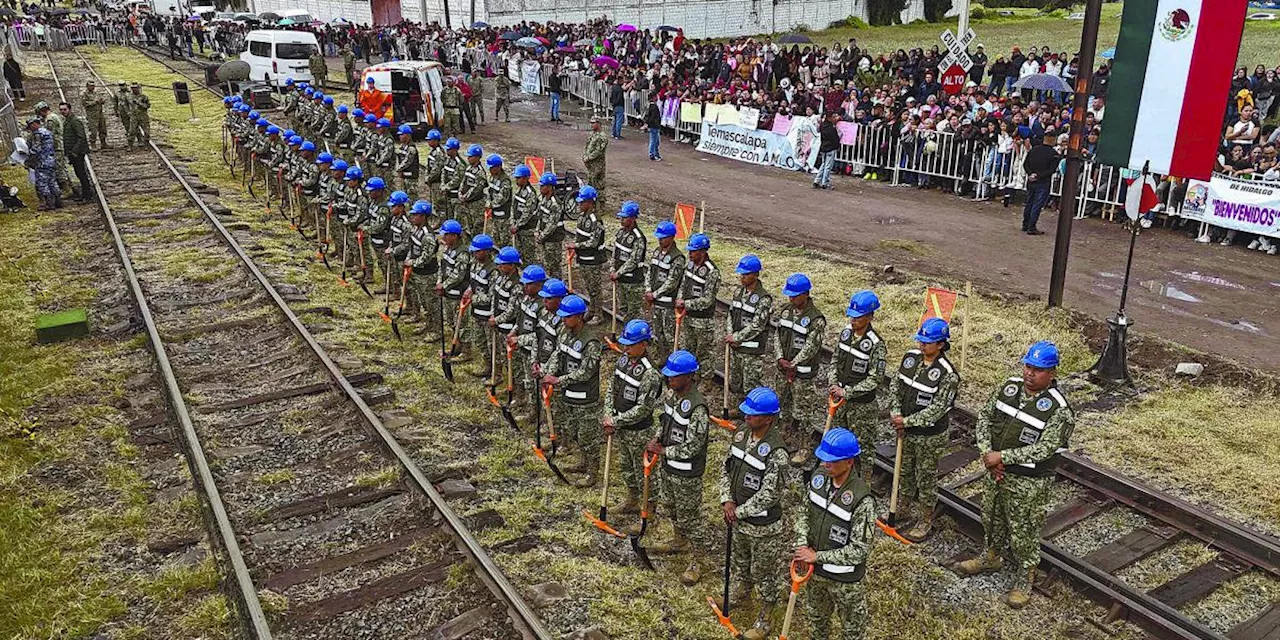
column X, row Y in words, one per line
column 1168, row 89
column 1140, row 196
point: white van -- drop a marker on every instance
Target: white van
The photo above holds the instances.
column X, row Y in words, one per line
column 415, row 87
column 275, row 56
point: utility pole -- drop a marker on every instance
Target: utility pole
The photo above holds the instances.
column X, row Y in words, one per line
column 963, row 27
column 448, row 24
column 1071, row 180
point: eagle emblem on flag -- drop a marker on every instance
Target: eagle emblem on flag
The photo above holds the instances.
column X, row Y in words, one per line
column 1177, row 25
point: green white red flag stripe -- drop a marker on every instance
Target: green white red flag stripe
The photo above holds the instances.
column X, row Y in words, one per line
column 1168, row 90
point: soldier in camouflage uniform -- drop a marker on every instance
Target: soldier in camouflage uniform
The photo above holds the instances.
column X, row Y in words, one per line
column 752, row 484
column 384, row 150
column 666, row 270
column 801, row 330
column 921, row 397
column 593, row 156
column 833, row 531
column 524, row 212
column 502, row 88
column 549, row 232
column 343, row 133
column 124, row 111
column 857, row 375
column 337, row 197
column 318, row 67
column 349, row 65
column 697, row 299
column 481, row 294
column 497, row 198
column 682, row 442
column 398, row 246
column 541, row 345
column 357, row 206
column 141, row 115
column 407, row 164
column 451, row 171
column 1022, row 430
column 377, row 226
column 507, row 294
column 575, row 376
column 451, row 99
column 93, row 102
column 747, row 330
column 472, row 184
column 423, row 264
column 328, row 119
column 630, row 248
column 588, row 251
column 634, row 391
column 523, row 338
column 453, row 277
column 54, row 123
column 435, row 167
column 289, row 102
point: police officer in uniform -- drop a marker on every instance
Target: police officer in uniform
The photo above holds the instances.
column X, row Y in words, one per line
column 549, row 232
column 497, row 195
column 630, row 248
column 454, row 276
column 407, row 165
column 751, row 487
column 1022, row 430
column 857, row 375
column 588, row 249
column 682, row 443
column 524, row 215
column 471, row 189
column 575, row 375
column 450, row 177
column 666, row 269
column 424, row 266
column 801, row 331
column 921, row 397
column 746, row 329
column 633, row 395
column 833, row 532
column 480, row 295
column 698, row 288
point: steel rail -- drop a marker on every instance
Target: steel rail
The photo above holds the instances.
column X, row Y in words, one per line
column 245, row 591
column 519, row 611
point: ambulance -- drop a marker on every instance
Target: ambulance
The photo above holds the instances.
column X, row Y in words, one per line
column 415, row 87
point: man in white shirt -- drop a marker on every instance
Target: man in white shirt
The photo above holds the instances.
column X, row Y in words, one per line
column 1097, row 108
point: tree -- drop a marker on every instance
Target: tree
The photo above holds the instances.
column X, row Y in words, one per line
column 882, row 12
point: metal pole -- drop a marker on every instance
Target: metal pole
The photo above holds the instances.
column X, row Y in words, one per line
column 1133, row 238
column 963, row 27
column 1071, row 181
column 448, row 24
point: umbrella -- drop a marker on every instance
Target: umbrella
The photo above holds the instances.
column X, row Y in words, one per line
column 625, row 27
column 528, row 43
column 606, row 61
column 285, row 22
column 194, row 19
column 667, row 27
column 510, row 35
column 795, row 37
column 542, row 40
column 565, row 49
column 1109, row 53
column 480, row 24
column 1042, row 82
column 340, row 21
column 269, row 16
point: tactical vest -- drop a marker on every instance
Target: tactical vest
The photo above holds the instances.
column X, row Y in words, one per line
column 344, row 133
column 503, row 299
column 746, row 466
column 448, row 172
column 548, row 335
column 675, row 430
column 793, row 332
column 1020, row 421
column 435, row 165
column 550, row 208
column 419, row 239
column 694, row 283
column 378, row 212
column 853, row 362
column 573, row 350
column 399, row 227
column 410, row 155
column 627, row 376
column 521, row 198
column 742, row 312
column 587, row 226
column 919, row 385
column 482, row 277
column 528, row 322
column 495, row 190
column 451, row 263
column 831, row 521
column 625, row 244
column 659, row 268
column 473, row 184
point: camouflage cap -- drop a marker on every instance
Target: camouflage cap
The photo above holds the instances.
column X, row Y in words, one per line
column 41, row 106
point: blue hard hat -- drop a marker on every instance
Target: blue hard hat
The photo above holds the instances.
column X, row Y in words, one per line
column 353, row 173
column 862, row 303
column 494, row 160
column 383, row 123
column 572, row 305
column 521, row 171
column 343, row 108
column 699, row 242
column 295, row 140
column 370, row 118
column 797, row 283
column 481, row 242
column 227, row 100
column 273, row 130
column 375, row 183
column 533, row 273
column 262, row 122
column 548, row 180
column 680, row 363
column 309, row 91
column 452, row 143
column 933, row 330
column 630, row 209
column 421, row 208
column 838, row 444
column 289, row 133
column 398, row 198
column 433, row 134
column 307, row 145
column 665, row 229
column 553, row 288
column 508, row 255
column 237, row 99
column 357, row 112
column 302, row 84
column 761, row 401
column 324, row 158
column 1042, row 355
column 328, row 99
column 318, row 95
column 450, row 226
column 636, row 331
column 288, row 82
column 404, row 130
column 253, row 113
column 369, row 80
column 587, row 193
column 475, row 151
column 748, row 264
column 338, row 165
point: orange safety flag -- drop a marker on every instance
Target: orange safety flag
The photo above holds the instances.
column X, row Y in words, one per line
column 686, row 215
column 939, row 303
column 536, row 167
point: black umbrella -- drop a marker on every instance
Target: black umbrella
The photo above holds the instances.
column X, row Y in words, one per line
column 795, row 37
column 667, row 27
column 510, row 35
column 60, row 11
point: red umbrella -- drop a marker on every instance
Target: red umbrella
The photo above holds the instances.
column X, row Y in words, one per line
column 606, row 61
column 543, row 40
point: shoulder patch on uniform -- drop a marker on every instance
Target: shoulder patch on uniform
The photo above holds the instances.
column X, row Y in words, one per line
column 844, row 335
column 865, row 345
column 946, row 364
column 909, row 362
column 1011, row 390
column 847, row 497
column 637, row 368
column 816, row 483
column 804, row 322
column 755, row 297
column 684, row 405
column 1043, row 404
column 740, row 435
column 764, row 449
column 577, row 345
column 934, row 374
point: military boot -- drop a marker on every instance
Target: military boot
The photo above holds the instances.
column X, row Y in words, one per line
column 577, row 466
column 677, row 544
column 1020, row 594
column 634, row 528
column 987, row 562
column 760, row 630
column 736, row 598
column 691, row 574
column 630, row 505
column 923, row 527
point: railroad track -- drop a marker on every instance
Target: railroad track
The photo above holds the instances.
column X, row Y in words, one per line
column 306, row 493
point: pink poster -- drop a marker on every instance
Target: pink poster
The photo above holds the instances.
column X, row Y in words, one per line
column 848, row 132
column 781, row 124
